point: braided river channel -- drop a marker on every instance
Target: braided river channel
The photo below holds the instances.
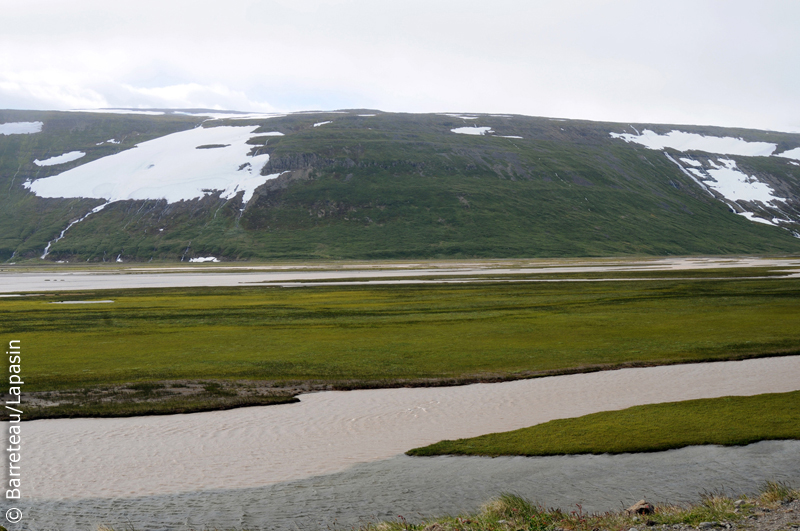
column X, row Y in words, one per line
column 336, row 459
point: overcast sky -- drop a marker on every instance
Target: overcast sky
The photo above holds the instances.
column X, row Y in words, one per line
column 725, row 62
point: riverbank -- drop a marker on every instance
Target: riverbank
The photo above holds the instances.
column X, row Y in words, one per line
column 425, row 489
column 236, row 346
column 192, row 396
column 776, row 507
column 257, row 446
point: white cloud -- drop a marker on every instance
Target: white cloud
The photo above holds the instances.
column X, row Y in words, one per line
column 194, row 95
column 47, row 89
column 678, row 62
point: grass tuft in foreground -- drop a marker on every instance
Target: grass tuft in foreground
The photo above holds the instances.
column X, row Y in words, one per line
column 514, row 513
column 728, row 421
column 510, row 512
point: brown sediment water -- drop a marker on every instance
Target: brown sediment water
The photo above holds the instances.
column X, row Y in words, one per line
column 418, row 488
column 329, row 432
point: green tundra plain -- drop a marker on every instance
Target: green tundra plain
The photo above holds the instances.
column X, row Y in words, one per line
column 278, row 342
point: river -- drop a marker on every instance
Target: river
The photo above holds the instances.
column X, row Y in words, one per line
column 338, row 455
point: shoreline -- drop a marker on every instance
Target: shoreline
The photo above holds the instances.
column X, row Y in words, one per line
column 328, row 432
column 41, row 279
column 224, row 394
column 363, row 496
column 775, row 507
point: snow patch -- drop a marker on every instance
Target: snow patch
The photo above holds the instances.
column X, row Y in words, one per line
column 20, row 128
column 230, row 116
column 168, row 168
column 509, row 136
column 691, row 162
column 366, row 115
column 202, row 259
column 681, row 141
column 753, row 217
column 322, row 123
column 472, row 130
column 791, row 154
column 734, row 184
column 690, row 175
column 60, row 159
column 697, row 172
column 109, row 141
column 725, row 178
column 120, row 111
column 462, row 116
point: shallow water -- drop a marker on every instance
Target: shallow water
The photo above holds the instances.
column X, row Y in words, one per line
column 330, row 431
column 70, row 280
column 338, row 454
column 425, row 487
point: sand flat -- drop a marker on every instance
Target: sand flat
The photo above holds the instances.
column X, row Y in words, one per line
column 203, row 275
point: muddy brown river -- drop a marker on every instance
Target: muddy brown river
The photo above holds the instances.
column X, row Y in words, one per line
column 338, row 455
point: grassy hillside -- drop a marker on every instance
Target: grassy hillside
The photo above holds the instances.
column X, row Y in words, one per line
column 28, row 222
column 394, row 186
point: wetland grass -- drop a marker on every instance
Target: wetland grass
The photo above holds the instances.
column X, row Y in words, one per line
column 347, row 337
column 727, row 421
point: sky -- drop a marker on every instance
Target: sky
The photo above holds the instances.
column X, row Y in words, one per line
column 723, row 62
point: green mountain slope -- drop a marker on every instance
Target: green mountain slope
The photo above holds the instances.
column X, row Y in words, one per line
column 398, row 186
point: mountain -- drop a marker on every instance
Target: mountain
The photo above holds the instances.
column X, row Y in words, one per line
column 359, row 184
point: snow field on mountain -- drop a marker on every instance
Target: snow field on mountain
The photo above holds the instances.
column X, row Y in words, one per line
column 734, row 184
column 791, row 154
column 170, row 167
column 60, row 159
column 120, row 111
column 472, row 130
column 20, row 128
column 678, row 140
column 722, row 176
column 462, row 116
